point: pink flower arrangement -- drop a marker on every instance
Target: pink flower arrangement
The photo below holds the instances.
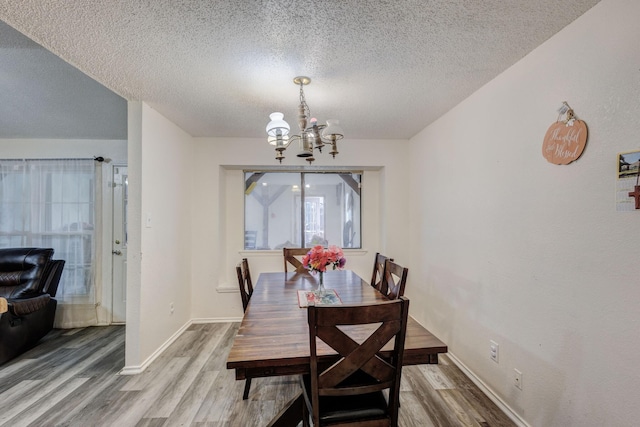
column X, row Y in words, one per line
column 319, row 258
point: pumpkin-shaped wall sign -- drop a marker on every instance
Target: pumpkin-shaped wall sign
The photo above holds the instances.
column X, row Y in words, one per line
column 565, row 140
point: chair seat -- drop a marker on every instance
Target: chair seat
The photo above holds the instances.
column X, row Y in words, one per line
column 334, row 409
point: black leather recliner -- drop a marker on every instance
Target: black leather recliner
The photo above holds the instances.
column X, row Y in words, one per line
column 29, row 280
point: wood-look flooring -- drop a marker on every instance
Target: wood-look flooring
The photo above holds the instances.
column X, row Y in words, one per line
column 71, row 379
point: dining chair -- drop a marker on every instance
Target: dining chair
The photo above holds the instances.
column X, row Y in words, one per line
column 290, row 255
column 246, row 290
column 350, row 388
column 395, row 279
column 244, row 282
column 378, row 270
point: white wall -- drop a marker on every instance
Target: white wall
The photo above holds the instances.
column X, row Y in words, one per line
column 533, row 255
column 161, row 179
column 132, row 357
column 218, row 217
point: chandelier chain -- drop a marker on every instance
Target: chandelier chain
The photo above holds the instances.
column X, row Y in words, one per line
column 303, row 101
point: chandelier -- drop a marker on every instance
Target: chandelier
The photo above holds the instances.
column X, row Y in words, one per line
column 312, row 135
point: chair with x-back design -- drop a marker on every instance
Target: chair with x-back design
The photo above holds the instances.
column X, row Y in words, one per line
column 292, row 257
column 349, row 389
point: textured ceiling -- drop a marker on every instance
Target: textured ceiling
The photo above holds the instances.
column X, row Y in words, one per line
column 386, row 69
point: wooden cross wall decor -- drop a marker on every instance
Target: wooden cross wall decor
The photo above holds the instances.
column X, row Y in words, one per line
column 636, row 191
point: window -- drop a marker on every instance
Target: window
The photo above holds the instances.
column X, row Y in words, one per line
column 301, row 209
column 51, row 204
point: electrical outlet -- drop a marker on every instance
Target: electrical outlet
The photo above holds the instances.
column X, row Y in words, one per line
column 494, row 350
column 517, row 379
column 171, row 308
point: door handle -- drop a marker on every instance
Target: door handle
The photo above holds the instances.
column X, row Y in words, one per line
column 116, row 252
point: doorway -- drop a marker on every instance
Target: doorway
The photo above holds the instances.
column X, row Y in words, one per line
column 119, row 245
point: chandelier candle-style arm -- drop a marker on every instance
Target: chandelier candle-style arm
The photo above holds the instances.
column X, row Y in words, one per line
column 333, row 132
column 312, row 135
column 278, row 131
column 317, row 138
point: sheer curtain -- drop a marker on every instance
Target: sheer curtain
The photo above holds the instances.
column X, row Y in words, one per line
column 55, row 203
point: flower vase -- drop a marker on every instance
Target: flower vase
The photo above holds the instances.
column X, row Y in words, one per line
column 320, row 290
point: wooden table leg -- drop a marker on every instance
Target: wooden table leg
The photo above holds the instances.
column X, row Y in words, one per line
column 290, row 415
column 3, row 305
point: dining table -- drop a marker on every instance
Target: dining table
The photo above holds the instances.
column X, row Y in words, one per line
column 273, row 338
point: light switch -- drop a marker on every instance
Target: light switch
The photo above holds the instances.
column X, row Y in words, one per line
column 148, row 221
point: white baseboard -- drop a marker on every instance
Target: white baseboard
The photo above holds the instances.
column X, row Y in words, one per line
column 132, row 370
column 489, row 392
column 226, row 289
column 138, row 369
column 216, row 320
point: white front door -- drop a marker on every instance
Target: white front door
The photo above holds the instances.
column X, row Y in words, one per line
column 119, row 244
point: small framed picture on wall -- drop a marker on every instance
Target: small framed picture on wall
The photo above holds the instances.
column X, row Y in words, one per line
column 628, row 167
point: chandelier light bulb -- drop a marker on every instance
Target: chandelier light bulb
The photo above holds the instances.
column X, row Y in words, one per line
column 333, row 129
column 277, row 125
